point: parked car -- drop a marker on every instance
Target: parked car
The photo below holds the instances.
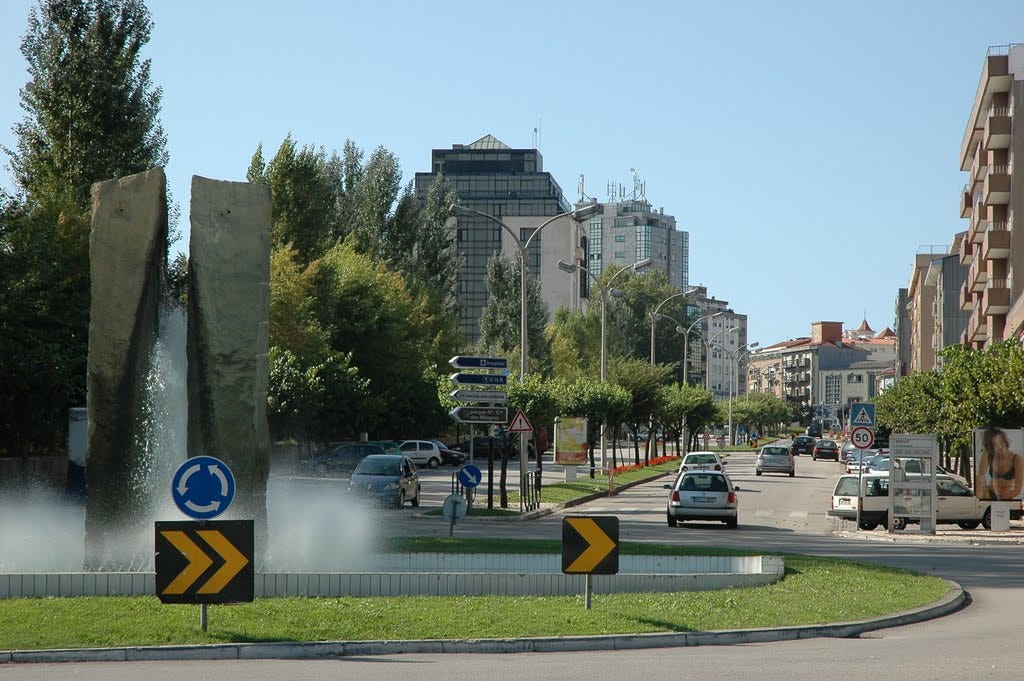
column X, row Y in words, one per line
column 428, row 453
column 389, row 479
column 389, row 446
column 502, row 443
column 701, row 461
column 955, row 503
column 802, row 444
column 340, row 459
column 775, row 459
column 825, row 449
column 702, row 495
column 449, row 456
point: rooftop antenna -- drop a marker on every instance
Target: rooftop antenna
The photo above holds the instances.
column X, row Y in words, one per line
column 610, row 188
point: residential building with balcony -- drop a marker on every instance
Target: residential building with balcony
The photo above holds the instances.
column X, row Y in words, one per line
column 921, row 311
column 946, row 276
column 991, row 294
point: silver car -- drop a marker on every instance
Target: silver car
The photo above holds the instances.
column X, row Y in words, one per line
column 702, row 495
column 775, row 459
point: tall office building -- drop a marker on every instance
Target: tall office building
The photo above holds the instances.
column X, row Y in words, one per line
column 993, row 292
column 491, row 177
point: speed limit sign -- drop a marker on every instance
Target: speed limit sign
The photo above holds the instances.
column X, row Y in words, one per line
column 862, row 437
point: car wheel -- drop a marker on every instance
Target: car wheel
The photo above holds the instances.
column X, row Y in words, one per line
column 792, row 474
column 986, row 520
column 732, row 524
column 321, row 469
column 757, row 472
column 416, row 499
column 898, row 524
column 868, row 526
column 400, row 502
column 434, row 462
column 814, row 457
column 972, row 525
column 672, row 521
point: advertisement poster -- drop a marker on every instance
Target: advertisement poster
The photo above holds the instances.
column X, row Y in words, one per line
column 998, row 463
column 571, row 441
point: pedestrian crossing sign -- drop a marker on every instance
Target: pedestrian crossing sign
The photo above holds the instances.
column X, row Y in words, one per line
column 862, row 415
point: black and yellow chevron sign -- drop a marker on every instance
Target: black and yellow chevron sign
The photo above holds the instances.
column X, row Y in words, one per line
column 590, row 545
column 204, row 561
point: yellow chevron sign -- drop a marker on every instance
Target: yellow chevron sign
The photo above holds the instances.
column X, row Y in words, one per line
column 205, row 561
column 590, row 545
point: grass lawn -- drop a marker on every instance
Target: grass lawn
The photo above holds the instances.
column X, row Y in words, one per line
column 815, row 590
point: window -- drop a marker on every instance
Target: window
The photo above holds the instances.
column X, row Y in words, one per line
column 620, row 238
column 620, row 255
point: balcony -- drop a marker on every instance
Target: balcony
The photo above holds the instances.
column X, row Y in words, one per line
column 965, row 202
column 996, row 245
column 996, row 298
column 995, row 77
column 997, row 128
column 966, row 298
column 966, row 249
column 997, row 185
column 978, row 170
column 977, row 328
column 979, row 220
column 977, row 275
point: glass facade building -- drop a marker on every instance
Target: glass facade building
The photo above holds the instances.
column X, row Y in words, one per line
column 491, row 177
column 632, row 230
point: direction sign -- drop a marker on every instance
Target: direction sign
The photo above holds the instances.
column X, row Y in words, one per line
column 203, row 487
column 862, row 414
column 479, row 379
column 454, row 508
column 862, row 437
column 186, row 553
column 479, row 362
column 479, row 414
column 590, row 545
column 470, row 476
column 520, row 424
column 479, row 396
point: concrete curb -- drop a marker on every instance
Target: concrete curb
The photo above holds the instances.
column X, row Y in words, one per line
column 953, row 601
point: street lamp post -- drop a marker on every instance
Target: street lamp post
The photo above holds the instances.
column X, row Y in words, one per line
column 604, row 291
column 654, row 315
column 710, row 342
column 578, row 215
column 735, row 356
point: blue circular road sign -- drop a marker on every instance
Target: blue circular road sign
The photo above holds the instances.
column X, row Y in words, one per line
column 470, row 476
column 203, row 487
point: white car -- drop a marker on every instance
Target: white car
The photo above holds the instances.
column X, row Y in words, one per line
column 775, row 459
column 955, row 503
column 701, row 461
column 422, row 452
column 702, row 495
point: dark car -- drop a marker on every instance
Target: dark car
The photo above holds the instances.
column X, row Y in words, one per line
column 341, row 458
column 388, row 479
column 501, row 442
column 813, row 430
column 825, row 449
column 802, row 444
column 449, row 456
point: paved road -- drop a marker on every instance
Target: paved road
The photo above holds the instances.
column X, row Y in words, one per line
column 777, row 514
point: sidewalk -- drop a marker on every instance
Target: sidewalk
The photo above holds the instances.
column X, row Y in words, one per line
column 948, row 534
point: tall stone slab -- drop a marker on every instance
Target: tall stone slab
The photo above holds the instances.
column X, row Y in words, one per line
column 228, row 337
column 127, row 258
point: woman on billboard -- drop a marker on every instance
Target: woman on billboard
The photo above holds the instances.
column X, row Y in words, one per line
column 1000, row 475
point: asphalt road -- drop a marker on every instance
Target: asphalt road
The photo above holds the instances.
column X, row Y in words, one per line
column 777, row 513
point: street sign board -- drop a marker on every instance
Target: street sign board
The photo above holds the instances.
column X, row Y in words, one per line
column 862, row 437
column 479, row 414
column 496, row 396
column 203, row 487
column 454, row 508
column 862, row 414
column 590, row 545
column 470, row 476
column 520, row 424
column 479, row 362
column 479, row 379
column 188, row 550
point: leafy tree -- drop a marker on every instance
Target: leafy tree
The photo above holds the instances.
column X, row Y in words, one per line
column 683, row 407
column 91, row 108
column 575, row 340
column 629, row 328
column 643, row 382
column 500, row 323
column 600, row 403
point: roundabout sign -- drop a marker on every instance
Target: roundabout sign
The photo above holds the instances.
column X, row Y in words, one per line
column 862, row 437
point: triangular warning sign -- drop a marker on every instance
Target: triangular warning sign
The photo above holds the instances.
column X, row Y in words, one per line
column 862, row 418
column 520, row 424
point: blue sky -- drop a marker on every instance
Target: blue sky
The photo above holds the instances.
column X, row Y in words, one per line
column 809, row 148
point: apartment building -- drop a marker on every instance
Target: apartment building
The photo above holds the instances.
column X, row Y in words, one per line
column 991, row 293
column 511, row 185
column 920, row 311
column 723, row 329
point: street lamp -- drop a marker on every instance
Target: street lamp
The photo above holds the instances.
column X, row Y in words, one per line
column 735, row 357
column 686, row 341
column 577, row 215
column 710, row 342
column 655, row 315
column 604, row 291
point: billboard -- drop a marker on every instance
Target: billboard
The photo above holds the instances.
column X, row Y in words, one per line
column 998, row 463
column 571, row 448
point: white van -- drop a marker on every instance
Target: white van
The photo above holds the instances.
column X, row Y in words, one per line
column 955, row 503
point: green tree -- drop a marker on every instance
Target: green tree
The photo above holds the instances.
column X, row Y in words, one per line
column 643, row 382
column 500, row 323
column 600, row 403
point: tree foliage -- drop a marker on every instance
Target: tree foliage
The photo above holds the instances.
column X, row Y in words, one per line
column 500, row 330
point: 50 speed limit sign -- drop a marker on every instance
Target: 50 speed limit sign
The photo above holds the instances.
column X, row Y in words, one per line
column 862, row 437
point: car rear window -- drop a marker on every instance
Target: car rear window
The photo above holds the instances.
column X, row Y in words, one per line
column 710, row 483
column 700, row 458
column 775, row 451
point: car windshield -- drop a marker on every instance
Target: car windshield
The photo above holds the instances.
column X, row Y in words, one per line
column 371, row 466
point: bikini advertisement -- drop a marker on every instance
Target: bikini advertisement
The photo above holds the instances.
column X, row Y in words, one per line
column 998, row 463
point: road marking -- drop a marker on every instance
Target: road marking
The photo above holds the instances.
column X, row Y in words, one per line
column 798, row 514
column 764, row 513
